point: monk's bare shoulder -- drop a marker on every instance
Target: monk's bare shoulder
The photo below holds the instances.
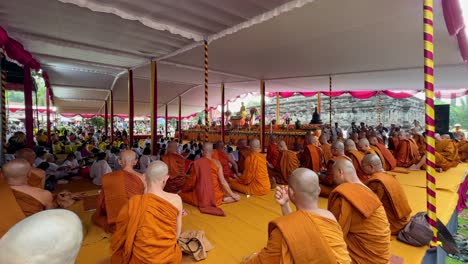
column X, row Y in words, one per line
column 326, row 214
column 175, row 200
column 218, row 164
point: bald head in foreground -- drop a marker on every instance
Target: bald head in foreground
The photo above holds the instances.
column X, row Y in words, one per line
column 389, row 191
column 117, row 188
column 308, row 235
column 360, row 215
column 39, row 239
column 37, row 177
column 159, row 217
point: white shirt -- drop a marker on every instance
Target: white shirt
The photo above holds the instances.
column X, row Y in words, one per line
column 114, row 161
column 38, row 161
column 98, row 169
column 78, row 155
column 53, row 170
column 72, row 164
column 145, row 161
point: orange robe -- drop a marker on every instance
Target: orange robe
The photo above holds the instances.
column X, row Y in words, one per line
column 393, row 199
column 389, row 162
column 327, row 183
column 202, row 188
column 446, row 154
column 405, row 154
column 12, row 213
column 303, row 237
column 288, row 162
column 28, row 204
column 243, row 154
column 327, row 152
column 463, row 150
column 254, row 180
column 393, row 143
column 222, row 157
column 356, row 157
column 176, row 165
column 311, row 158
column 37, row 178
column 364, row 223
column 117, row 188
column 273, row 154
column 421, row 143
column 146, row 232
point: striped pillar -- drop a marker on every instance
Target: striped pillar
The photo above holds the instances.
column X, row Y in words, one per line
column 379, row 108
column 166, row 117
column 207, row 126
column 319, row 102
column 330, row 100
column 4, row 123
column 430, row 123
column 278, row 112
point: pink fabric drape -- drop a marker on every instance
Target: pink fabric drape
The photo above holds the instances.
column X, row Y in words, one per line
column 362, row 94
column 451, row 94
column 455, row 24
column 308, row 94
column 399, row 95
column 334, row 94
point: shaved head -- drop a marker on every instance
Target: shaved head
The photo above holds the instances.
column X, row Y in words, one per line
column 445, row 136
column 373, row 141
column 16, row 172
column 172, row 147
column 338, row 148
column 350, row 145
column 363, row 144
column 219, row 145
column 207, row 149
column 344, row 171
column 26, row 154
column 255, row 144
column 282, row 145
column 323, row 139
column 273, row 139
column 371, row 163
column 128, row 158
column 305, row 183
column 156, row 171
column 47, row 237
column 437, row 136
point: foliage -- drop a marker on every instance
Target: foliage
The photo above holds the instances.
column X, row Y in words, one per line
column 458, row 113
column 18, row 97
column 97, row 122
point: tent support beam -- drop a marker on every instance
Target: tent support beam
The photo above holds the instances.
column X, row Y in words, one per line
column 3, row 122
column 262, row 118
column 154, row 106
column 28, row 110
column 179, row 123
column 167, row 121
column 131, row 108
column 49, row 141
column 207, row 126
column 112, row 116
column 278, row 113
column 106, row 120
column 223, row 99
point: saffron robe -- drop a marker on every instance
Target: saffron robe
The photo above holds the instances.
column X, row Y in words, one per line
column 177, row 176
column 311, row 158
column 327, row 152
column 446, row 154
column 273, row 154
column 28, row 204
column 11, row 210
column 463, row 150
column 37, row 178
column 222, row 157
column 389, row 162
column 243, row 154
column 327, row 183
column 288, row 162
column 405, row 154
column 356, row 157
column 254, row 180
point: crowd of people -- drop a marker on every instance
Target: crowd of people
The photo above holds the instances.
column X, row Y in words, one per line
column 143, row 188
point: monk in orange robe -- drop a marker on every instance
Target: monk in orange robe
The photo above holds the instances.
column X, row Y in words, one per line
column 393, row 142
column 244, row 151
column 37, row 177
column 308, row 235
column 148, row 226
column 225, row 159
column 176, row 164
column 356, row 157
column 326, row 149
column 420, row 142
column 312, row 157
column 19, row 199
column 206, row 187
column 446, row 152
column 406, row 154
column 272, row 151
column 327, row 183
column 254, row 180
column 361, row 216
column 384, row 154
column 390, row 193
column 117, row 188
column 288, row 162
column 462, row 147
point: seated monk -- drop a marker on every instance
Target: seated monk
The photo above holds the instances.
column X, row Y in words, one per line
column 355, row 137
column 326, row 149
column 406, row 153
column 462, row 147
column 176, row 164
column 327, row 184
column 148, row 226
column 356, row 157
column 51, row 236
column 446, row 152
column 272, row 151
column 308, row 235
column 384, row 154
column 244, row 151
column 225, row 159
column 311, row 157
column 393, row 142
column 117, row 188
column 361, row 216
column 38, row 176
column 20, row 200
column 420, row 141
column 254, row 180
column 390, row 193
column 288, row 162
column 206, row 187
column 364, row 146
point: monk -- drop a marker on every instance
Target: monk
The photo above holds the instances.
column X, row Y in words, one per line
column 308, row 235
column 384, row 154
column 327, row 184
column 311, row 157
column 288, row 162
column 272, row 151
column 20, row 200
column 254, row 180
column 390, row 193
column 117, row 188
column 244, row 151
column 148, row 226
column 406, row 153
column 225, row 159
column 462, row 147
column 206, row 187
column 361, row 216
column 446, row 152
column 420, row 141
column 356, row 157
column 38, row 176
column 326, row 149
column 176, row 164
column 393, row 142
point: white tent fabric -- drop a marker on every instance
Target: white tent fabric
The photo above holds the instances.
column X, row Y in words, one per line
column 86, row 47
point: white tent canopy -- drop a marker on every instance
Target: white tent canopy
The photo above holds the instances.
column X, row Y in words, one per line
column 86, row 47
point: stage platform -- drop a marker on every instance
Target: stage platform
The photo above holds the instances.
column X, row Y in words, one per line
column 244, row 229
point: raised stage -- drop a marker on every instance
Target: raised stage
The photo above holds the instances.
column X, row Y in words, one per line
column 244, row 230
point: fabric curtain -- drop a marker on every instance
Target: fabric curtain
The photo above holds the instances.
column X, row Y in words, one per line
column 334, row 94
column 399, row 95
column 362, row 94
column 308, row 94
column 453, row 15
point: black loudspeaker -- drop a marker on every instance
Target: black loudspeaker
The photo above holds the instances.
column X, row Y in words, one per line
column 442, row 115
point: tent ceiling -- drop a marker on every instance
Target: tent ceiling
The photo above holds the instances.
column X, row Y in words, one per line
column 86, row 47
